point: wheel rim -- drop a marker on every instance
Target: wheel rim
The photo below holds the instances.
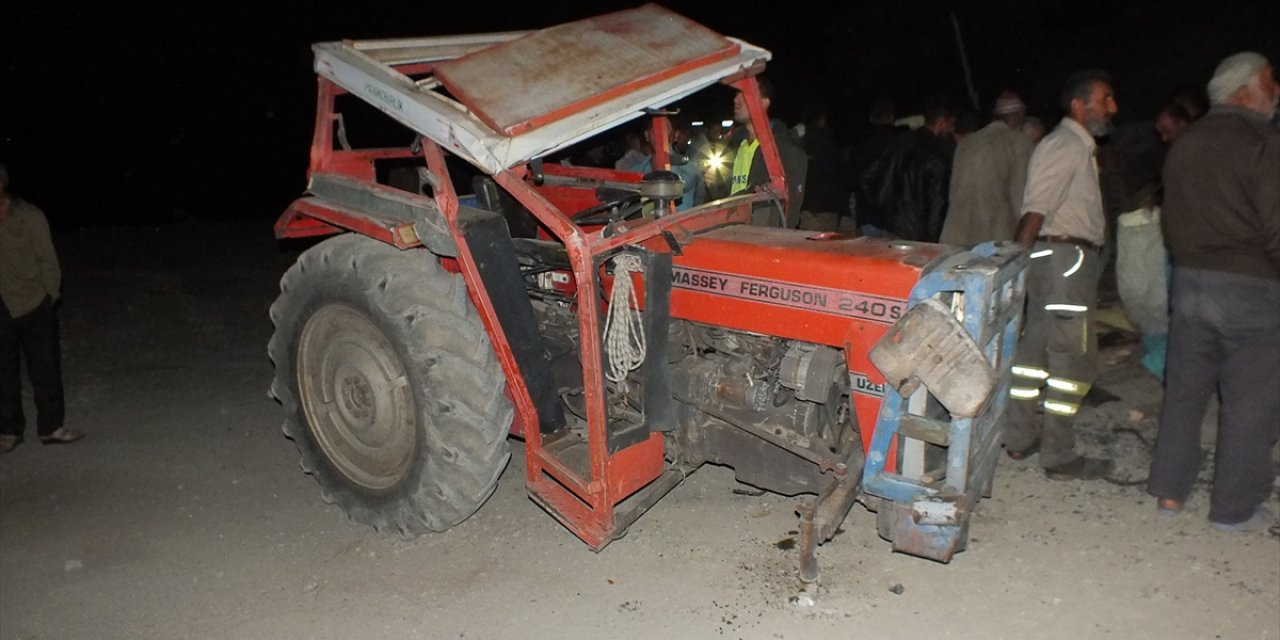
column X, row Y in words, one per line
column 355, row 395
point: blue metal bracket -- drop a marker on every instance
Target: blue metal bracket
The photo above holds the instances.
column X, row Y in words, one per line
column 930, row 519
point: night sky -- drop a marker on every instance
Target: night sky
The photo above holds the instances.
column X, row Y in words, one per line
column 119, row 115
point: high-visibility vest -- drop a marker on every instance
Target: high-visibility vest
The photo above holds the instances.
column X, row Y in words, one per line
column 742, row 165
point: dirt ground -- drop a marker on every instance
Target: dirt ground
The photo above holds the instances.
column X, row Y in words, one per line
column 184, row 514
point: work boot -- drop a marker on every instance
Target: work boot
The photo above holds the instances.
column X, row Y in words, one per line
column 1081, row 468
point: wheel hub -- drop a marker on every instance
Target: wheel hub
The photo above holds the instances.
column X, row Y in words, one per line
column 355, row 393
column 357, row 397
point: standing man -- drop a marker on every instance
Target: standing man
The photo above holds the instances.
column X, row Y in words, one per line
column 30, row 281
column 1064, row 225
column 1034, row 128
column 989, row 175
column 1222, row 222
column 749, row 170
column 1142, row 262
column 694, row 189
column 868, row 148
column 825, row 198
column 908, row 184
column 1172, row 120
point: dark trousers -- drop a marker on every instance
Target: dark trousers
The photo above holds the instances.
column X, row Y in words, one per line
column 1056, row 361
column 1224, row 337
column 33, row 337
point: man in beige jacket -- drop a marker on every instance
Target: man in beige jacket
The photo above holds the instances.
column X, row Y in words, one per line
column 30, row 281
column 987, row 177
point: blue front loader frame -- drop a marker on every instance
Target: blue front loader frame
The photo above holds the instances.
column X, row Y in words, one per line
column 927, row 517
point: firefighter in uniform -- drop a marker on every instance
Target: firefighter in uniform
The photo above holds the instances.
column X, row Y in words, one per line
column 1064, row 226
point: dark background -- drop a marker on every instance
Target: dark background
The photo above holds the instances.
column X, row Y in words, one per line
column 113, row 115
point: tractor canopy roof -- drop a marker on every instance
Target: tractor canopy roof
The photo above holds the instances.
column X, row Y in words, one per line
column 499, row 100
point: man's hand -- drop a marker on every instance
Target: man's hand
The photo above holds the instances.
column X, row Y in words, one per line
column 1028, row 229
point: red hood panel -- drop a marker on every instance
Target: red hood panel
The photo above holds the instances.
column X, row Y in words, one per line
column 801, row 285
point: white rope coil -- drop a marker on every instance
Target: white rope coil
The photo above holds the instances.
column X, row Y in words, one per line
column 623, row 325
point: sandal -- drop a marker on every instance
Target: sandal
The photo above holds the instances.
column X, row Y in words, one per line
column 1168, row 507
column 9, row 443
column 1023, row 454
column 62, row 436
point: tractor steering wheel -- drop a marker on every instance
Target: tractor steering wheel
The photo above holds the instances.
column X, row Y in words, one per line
column 618, row 206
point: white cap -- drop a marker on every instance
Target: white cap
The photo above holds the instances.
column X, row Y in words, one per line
column 1008, row 103
column 1232, row 73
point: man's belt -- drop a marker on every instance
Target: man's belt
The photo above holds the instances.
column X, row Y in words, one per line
column 1079, row 242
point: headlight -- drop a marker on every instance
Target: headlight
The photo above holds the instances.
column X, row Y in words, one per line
column 715, row 161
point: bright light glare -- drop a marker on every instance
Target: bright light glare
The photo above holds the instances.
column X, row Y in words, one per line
column 726, row 123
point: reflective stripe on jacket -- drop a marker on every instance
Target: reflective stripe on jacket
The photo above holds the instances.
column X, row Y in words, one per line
column 742, row 165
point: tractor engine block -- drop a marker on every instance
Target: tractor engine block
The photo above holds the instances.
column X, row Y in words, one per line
column 739, row 397
column 744, row 396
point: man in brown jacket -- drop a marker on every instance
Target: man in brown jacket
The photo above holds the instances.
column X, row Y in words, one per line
column 1222, row 223
column 30, row 280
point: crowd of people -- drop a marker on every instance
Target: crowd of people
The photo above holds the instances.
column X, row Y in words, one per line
column 1221, row 222
column 1212, row 299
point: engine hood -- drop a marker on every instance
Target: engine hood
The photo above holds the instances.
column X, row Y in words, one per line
column 800, row 285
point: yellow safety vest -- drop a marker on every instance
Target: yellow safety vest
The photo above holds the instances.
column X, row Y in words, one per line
column 742, row 165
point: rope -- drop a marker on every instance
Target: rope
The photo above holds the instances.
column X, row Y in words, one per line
column 623, row 326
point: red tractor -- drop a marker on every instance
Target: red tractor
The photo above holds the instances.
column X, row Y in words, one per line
column 625, row 337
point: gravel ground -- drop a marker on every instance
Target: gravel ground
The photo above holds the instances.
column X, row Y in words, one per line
column 185, row 515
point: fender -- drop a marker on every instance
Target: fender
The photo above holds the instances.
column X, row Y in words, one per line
column 398, row 218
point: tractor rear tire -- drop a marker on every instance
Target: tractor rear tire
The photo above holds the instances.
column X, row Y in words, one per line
column 390, row 387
